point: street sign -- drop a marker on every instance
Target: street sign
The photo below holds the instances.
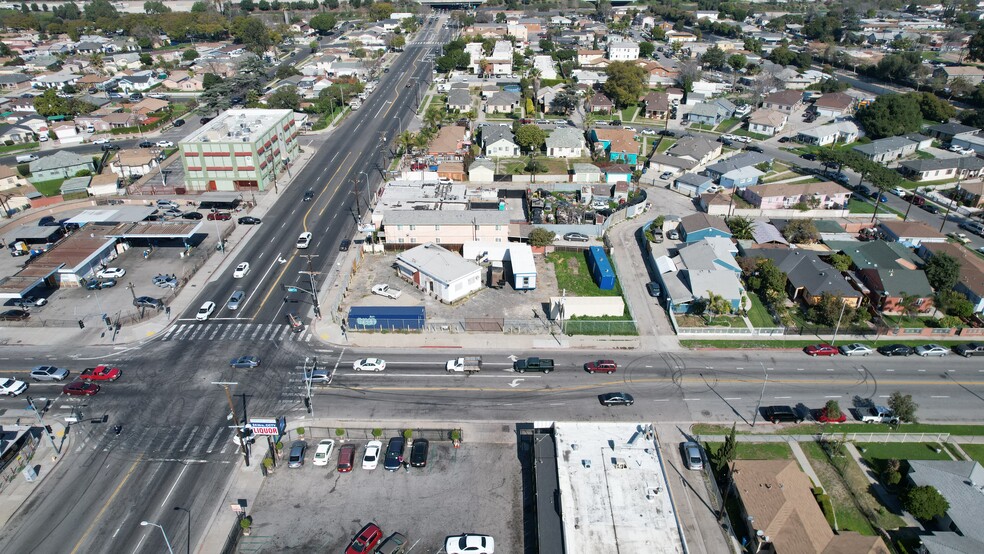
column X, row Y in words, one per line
column 267, row 426
column 292, row 289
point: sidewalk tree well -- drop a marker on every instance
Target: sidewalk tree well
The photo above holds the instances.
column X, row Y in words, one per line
column 339, row 432
column 300, row 431
column 407, row 433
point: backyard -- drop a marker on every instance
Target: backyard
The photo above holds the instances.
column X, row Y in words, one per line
column 573, row 276
column 876, row 454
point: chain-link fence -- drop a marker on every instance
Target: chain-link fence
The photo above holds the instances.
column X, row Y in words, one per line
column 594, row 327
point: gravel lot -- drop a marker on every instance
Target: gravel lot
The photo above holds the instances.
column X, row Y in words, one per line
column 476, row 489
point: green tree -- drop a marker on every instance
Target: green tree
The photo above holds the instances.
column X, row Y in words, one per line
column 323, row 23
column 942, row 271
column 891, row 115
column 954, row 303
column 925, row 502
column 541, row 237
column 903, row 407
column 247, row 5
column 252, row 33
column 209, row 80
column 842, row 262
column 49, row 103
column 155, row 7
column 564, row 103
column 727, row 452
column 146, row 59
column 646, row 49
column 380, row 10
column 530, row 137
column 827, row 311
column 975, row 49
column 189, row 55
column 286, row 69
column 741, row 227
column 285, row 98
column 782, row 56
column 625, row 84
column 737, row 61
column 935, row 108
column 100, row 9
column 832, row 410
column 398, row 42
column 199, row 7
column 801, row 231
column 714, row 58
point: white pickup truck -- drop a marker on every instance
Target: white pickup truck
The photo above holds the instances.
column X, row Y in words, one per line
column 387, row 291
column 468, row 364
column 877, row 414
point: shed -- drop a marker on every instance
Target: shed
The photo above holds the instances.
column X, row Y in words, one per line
column 601, row 268
column 520, row 257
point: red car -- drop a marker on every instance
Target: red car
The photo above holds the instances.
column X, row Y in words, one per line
column 219, row 216
column 824, row 419
column 80, row 388
column 366, row 540
column 101, row 373
column 601, row 366
column 821, row 350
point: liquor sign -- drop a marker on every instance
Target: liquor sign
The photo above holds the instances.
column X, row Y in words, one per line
column 267, row 426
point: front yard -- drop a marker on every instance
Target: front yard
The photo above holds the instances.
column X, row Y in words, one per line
column 759, row 315
column 49, row 188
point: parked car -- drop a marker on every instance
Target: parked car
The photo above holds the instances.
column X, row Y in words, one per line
column 245, row 362
column 673, row 234
column 111, row 273
column 146, row 144
column 777, row 414
column 601, row 366
column 809, row 157
column 469, row 544
column 323, row 453
column 932, row 350
column 418, row 452
column 80, row 388
column 369, row 364
column 165, row 144
column 394, row 454
column 296, row 456
column 367, row 539
column 895, row 350
column 346, row 458
column 821, row 350
column 344, row 245
column 28, row 302
column 110, row 147
column 576, row 237
column 192, row 216
column 692, row 456
column 179, row 122
column 394, row 544
column 219, row 216
column 387, row 291
column 49, row 373
column 784, row 140
column 970, row 349
column 855, row 349
column 249, row 220
column 666, row 175
column 616, row 399
column 12, row 387
column 148, row 302
column 654, row 289
column 15, row 315
column 166, row 281
column 931, row 208
column 371, row 456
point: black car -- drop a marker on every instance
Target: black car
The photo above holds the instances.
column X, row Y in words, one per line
column 47, row 221
column 205, row 120
column 754, row 149
column 179, row 122
column 344, row 245
column 970, row 349
column 784, row 140
column 308, row 196
column 776, row 414
column 109, row 147
column 394, row 454
column 616, row 122
column 148, row 302
column 895, row 350
column 616, row 399
column 653, row 288
column 863, row 191
column 99, row 285
column 809, row 157
column 14, row 315
column 418, row 452
column 249, row 220
column 667, row 133
column 931, row 208
column 576, row 237
column 192, row 215
column 146, row 144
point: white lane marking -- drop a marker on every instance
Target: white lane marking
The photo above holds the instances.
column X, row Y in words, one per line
column 176, row 481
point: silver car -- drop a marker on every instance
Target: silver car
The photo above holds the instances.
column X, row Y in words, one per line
column 692, row 455
column 296, row 458
column 48, row 373
column 235, row 300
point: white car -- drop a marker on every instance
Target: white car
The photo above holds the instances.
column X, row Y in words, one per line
column 387, row 291
column 304, row 240
column 962, row 238
column 205, row 311
column 955, row 148
column 369, row 364
column 101, row 141
column 900, row 192
column 649, row 131
column 323, row 452
column 371, row 458
column 470, row 544
column 111, row 273
column 932, row 350
column 165, row 144
column 855, row 349
column 241, row 270
column 12, row 387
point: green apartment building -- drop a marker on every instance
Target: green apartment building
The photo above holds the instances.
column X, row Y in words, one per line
column 239, row 150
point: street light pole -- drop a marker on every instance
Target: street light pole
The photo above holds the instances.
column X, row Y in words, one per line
column 837, row 327
column 30, row 403
column 166, row 541
column 949, row 205
column 187, row 511
column 235, row 420
column 314, row 289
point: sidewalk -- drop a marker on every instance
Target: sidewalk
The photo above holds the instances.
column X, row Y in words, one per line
column 18, row 491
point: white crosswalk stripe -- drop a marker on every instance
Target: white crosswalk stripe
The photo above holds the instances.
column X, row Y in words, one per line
column 235, row 332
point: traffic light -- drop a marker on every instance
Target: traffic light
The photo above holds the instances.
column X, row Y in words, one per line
column 81, row 324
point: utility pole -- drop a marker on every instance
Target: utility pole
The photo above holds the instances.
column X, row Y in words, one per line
column 949, row 205
column 133, row 294
column 314, row 289
column 30, row 404
column 358, row 206
column 235, row 420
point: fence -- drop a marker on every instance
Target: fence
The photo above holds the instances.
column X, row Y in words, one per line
column 592, row 327
column 886, row 437
column 366, row 434
column 30, row 441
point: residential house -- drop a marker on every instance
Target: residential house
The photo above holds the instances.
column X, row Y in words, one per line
column 783, row 516
column 697, row 271
column 623, row 51
column 459, row 100
column 546, row 95
column 599, row 103
column 499, row 142
column 970, row 73
column 785, row 101
column 692, row 184
column 55, row 80
column 970, row 280
column 9, row 81
column 808, row 277
column 834, row 104
column 659, row 75
column 185, row 83
column 104, row 184
column 10, row 178
column 60, row 165
column 502, row 102
column 23, row 105
column 618, row 173
column 16, row 133
column 120, row 120
column 946, row 132
column 970, row 141
column 785, row 196
column 767, row 122
column 891, row 288
column 121, row 62
column 738, row 171
column 661, row 163
column 585, row 173
column 699, row 226
column 96, row 122
column 446, row 227
column 566, row 142
column 148, row 106
column 711, row 113
column 939, row 169
column 438, row 272
column 67, row 133
column 451, row 143
column 590, row 57
column 845, row 132
column 910, row 233
column 588, row 78
column 656, row 105
column 133, row 162
column 887, row 149
column 481, row 171
column 764, row 232
column 139, row 81
column 959, row 483
column 972, row 192
column 620, row 144
column 696, row 148
column 682, row 37
column 93, row 80
column 75, row 187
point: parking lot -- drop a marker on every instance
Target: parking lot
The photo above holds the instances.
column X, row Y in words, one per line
column 472, row 489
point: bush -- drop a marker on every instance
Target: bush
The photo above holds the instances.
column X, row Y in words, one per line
column 893, row 477
column 268, row 462
column 407, row 433
column 339, row 432
column 24, row 169
column 825, row 505
column 376, row 433
column 300, row 431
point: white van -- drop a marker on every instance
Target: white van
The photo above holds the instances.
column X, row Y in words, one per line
column 26, row 158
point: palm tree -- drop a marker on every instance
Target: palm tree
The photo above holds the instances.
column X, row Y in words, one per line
column 535, row 76
column 741, row 227
column 406, row 141
column 433, row 116
column 716, row 305
column 909, row 304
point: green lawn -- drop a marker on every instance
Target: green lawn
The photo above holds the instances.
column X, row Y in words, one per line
column 49, row 188
column 856, row 206
column 701, row 127
column 849, row 517
column 924, row 155
column 759, row 315
column 664, row 144
column 755, row 450
column 812, row 429
column 747, row 133
column 628, row 114
column 18, row 147
column 727, row 124
column 975, row 451
column 906, row 321
column 573, row 276
column 877, row 453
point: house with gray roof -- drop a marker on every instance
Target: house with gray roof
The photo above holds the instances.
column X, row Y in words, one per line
column 13, row 80
column 711, row 113
column 842, row 131
column 60, row 165
column 692, row 184
column 738, row 170
column 76, row 185
column 566, row 142
column 481, row 171
column 937, row 169
column 890, row 271
column 585, row 173
column 502, row 102
column 439, row 272
column 887, row 149
column 946, row 132
column 698, row 149
column 699, row 270
column 808, row 277
column 960, row 483
column 16, row 133
column 699, row 226
column 499, row 142
column 459, row 99
column 764, row 232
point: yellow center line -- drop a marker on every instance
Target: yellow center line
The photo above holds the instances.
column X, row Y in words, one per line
column 106, row 505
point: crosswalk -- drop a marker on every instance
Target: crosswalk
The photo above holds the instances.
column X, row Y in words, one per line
column 426, row 43
column 234, row 331
column 191, row 443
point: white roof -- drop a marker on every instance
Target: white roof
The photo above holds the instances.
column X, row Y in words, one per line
column 439, row 263
column 521, row 258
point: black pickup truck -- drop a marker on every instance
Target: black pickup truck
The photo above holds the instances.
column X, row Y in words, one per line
column 533, row 364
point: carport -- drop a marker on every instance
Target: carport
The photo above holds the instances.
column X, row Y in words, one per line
column 113, row 215
column 215, row 200
column 158, row 230
column 21, row 283
column 33, row 235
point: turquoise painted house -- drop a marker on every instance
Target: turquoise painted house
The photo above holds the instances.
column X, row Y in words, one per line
column 620, row 144
column 699, row 226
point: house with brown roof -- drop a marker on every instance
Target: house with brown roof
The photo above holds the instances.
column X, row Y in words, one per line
column 127, row 163
column 970, row 73
column 910, row 233
column 656, row 105
column 121, row 119
column 185, row 83
column 970, row 280
column 783, row 517
column 972, row 192
column 620, row 144
column 784, row 101
column 599, row 103
column 834, row 104
column 450, row 143
column 149, row 105
column 767, row 122
column 10, row 178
